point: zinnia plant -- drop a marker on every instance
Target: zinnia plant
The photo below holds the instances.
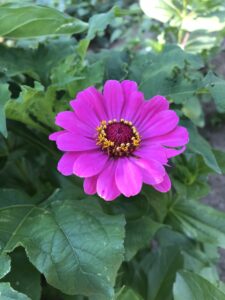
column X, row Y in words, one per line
column 117, row 141
column 130, row 135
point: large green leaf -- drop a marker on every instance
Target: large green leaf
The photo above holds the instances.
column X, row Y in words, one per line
column 4, row 97
column 8, row 293
column 198, row 222
column 190, row 286
column 61, row 243
column 200, row 146
column 216, row 87
column 34, row 21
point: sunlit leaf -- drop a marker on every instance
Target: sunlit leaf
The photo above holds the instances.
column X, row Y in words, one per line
column 33, row 21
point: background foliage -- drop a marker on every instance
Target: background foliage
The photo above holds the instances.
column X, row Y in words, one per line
column 153, row 246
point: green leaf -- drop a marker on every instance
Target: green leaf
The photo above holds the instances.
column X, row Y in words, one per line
column 193, row 110
column 34, row 107
column 7, row 293
column 162, row 10
column 200, row 146
column 164, row 75
column 220, row 157
column 4, row 97
column 115, row 63
column 5, row 265
column 200, row 40
column 216, row 87
column 152, row 273
column 198, row 222
column 138, row 219
column 162, row 270
column 23, row 276
column 99, row 22
column 67, row 253
column 128, row 294
column 37, row 62
column 189, row 285
column 13, row 197
column 135, row 241
column 34, row 21
column 194, row 22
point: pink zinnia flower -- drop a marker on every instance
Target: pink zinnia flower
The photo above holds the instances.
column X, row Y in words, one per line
column 117, row 141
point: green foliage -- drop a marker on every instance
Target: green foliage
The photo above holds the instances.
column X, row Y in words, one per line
column 34, row 21
column 198, row 222
column 9, row 293
column 192, row 286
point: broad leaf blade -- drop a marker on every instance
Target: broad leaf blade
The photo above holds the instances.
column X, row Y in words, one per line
column 198, row 222
column 8, row 293
column 34, row 21
column 189, row 285
column 77, row 247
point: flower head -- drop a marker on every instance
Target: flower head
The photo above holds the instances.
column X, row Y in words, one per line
column 117, row 141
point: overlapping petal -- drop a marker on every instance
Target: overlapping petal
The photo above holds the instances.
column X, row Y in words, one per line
column 90, row 185
column 113, row 98
column 106, row 184
column 90, row 163
column 128, row 177
column 65, row 164
column 164, row 186
column 74, row 142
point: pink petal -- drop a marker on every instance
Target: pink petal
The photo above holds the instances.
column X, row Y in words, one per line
column 128, row 87
column 153, row 172
column 164, row 186
column 178, row 137
column 65, row 164
column 66, row 120
column 92, row 99
column 148, row 151
column 85, row 108
column 74, row 142
column 69, row 121
column 128, row 177
column 114, row 98
column 53, row 136
column 160, row 124
column 153, row 106
column 174, row 152
column 106, row 185
column 157, row 103
column 90, row 164
column 90, row 185
column 134, row 106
